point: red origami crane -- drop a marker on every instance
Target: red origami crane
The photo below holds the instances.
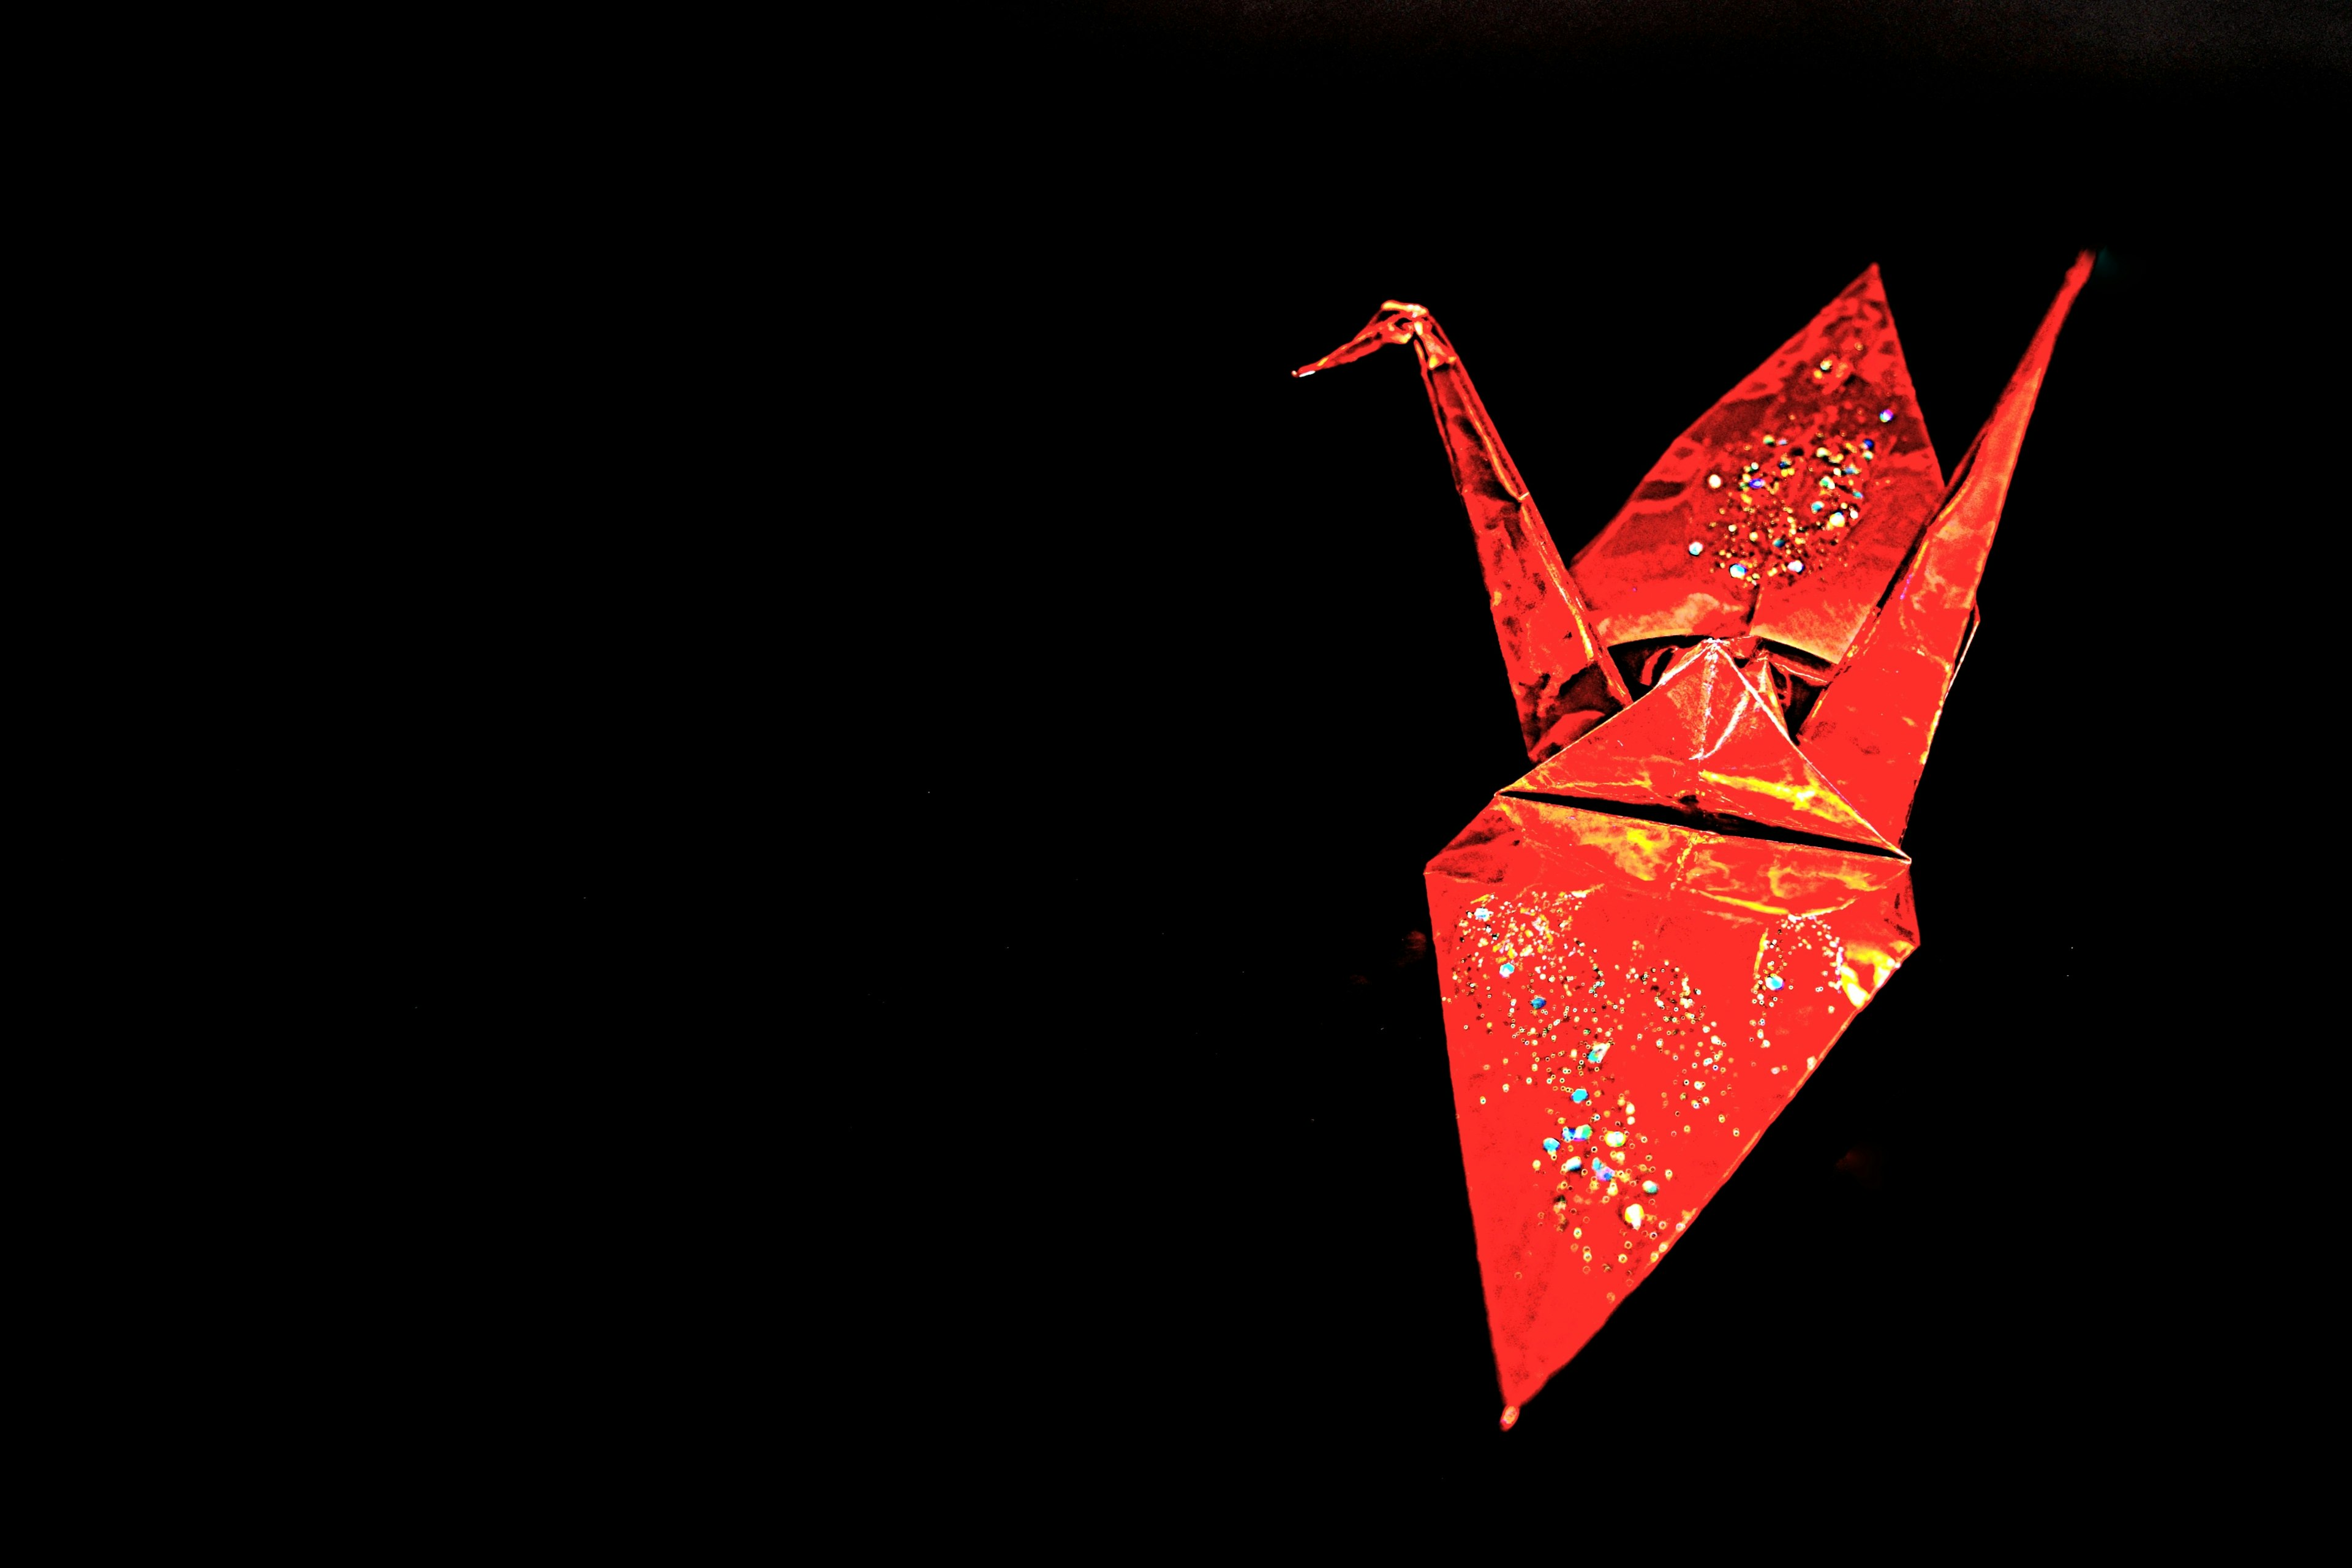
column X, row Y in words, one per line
column 1649, row 942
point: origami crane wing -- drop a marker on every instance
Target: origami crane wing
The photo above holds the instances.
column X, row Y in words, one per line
column 1652, row 938
column 1805, row 485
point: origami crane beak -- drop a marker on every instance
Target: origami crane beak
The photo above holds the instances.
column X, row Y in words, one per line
column 1394, row 322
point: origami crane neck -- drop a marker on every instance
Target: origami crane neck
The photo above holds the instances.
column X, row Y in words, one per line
column 1561, row 680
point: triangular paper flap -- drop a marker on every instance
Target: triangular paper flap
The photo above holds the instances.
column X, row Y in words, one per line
column 1619, row 1036
column 1705, row 740
column 1820, row 456
column 1871, row 727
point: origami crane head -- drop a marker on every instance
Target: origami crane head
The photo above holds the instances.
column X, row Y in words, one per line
column 1653, row 937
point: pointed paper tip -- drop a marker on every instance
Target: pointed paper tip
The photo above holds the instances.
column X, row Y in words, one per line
column 2076, row 275
column 1510, row 1416
column 1867, row 283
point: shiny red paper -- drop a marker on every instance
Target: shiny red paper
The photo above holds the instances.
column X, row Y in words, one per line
column 1651, row 939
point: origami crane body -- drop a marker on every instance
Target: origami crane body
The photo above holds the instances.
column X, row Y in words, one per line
column 1652, row 938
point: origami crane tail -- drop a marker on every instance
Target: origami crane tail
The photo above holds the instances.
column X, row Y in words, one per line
column 1561, row 679
column 1870, row 731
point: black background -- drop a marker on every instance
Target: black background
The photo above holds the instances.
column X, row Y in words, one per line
column 1055, row 782
column 1196, row 671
